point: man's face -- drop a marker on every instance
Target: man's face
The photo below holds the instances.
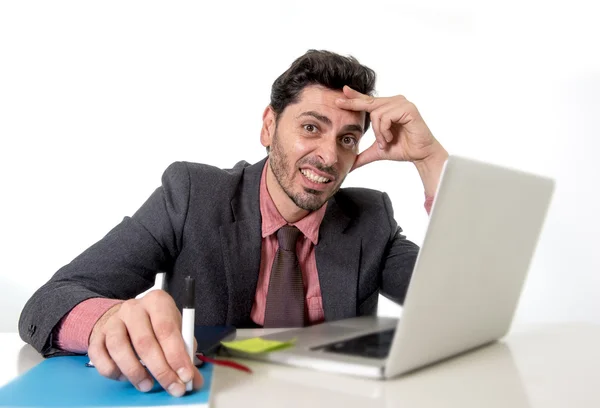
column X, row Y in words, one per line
column 313, row 146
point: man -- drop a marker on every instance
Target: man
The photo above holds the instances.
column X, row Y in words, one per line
column 243, row 232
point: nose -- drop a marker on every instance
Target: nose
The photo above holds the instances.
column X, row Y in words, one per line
column 327, row 151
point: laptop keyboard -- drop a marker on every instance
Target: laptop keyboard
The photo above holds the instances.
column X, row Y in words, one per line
column 375, row 345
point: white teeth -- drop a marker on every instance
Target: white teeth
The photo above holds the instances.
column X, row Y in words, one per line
column 313, row 177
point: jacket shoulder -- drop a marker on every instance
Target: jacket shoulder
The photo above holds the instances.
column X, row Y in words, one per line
column 201, row 169
column 202, row 175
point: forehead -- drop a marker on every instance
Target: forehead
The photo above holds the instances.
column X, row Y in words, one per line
column 320, row 99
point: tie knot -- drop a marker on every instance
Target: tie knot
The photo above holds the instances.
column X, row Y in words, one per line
column 287, row 237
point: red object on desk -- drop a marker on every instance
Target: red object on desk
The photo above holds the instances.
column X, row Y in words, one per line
column 225, row 363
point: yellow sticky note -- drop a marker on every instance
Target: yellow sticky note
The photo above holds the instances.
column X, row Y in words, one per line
column 257, row 345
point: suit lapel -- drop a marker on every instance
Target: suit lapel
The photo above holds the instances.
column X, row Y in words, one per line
column 241, row 245
column 338, row 256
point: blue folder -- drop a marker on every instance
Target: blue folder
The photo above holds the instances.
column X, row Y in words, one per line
column 67, row 382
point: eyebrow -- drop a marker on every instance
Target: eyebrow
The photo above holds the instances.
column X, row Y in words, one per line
column 327, row 121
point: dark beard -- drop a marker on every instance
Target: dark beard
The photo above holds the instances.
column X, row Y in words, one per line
column 309, row 200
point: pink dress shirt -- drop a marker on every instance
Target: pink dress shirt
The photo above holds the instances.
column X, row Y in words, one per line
column 305, row 250
column 74, row 329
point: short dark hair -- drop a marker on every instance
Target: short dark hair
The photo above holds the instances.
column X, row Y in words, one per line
column 324, row 68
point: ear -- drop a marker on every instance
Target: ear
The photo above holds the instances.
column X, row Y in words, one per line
column 268, row 128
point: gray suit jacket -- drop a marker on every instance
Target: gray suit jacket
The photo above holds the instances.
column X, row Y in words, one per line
column 206, row 222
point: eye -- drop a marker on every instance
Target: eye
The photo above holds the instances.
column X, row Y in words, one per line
column 349, row 141
column 310, row 128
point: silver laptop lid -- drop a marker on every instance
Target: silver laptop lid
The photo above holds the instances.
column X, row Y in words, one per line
column 465, row 287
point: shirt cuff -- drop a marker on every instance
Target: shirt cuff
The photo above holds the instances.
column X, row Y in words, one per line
column 74, row 330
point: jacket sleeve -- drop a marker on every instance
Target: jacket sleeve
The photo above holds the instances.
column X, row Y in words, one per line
column 120, row 266
column 399, row 260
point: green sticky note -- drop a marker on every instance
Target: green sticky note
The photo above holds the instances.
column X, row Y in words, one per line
column 257, row 345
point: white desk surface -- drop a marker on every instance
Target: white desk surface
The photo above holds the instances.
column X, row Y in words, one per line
column 554, row 365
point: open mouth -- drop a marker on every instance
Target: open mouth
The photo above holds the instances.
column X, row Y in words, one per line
column 315, row 178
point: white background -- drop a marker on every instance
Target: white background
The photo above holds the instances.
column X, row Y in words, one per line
column 97, row 98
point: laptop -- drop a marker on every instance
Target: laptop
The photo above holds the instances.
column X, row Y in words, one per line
column 482, row 234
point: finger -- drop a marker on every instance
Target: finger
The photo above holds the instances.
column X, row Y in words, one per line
column 166, row 322
column 352, row 93
column 402, row 113
column 368, row 156
column 118, row 345
column 385, row 125
column 198, row 381
column 383, row 132
column 102, row 361
column 375, row 122
column 382, row 112
column 360, row 104
column 148, row 348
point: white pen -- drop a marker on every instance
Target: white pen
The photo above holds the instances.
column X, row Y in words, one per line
column 188, row 316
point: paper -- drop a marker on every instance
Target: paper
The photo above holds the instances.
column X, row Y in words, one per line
column 67, row 382
column 258, row 345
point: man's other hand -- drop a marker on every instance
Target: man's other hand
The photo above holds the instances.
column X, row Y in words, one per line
column 146, row 329
column 400, row 132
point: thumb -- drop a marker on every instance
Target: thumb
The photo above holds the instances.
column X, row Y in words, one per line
column 368, row 156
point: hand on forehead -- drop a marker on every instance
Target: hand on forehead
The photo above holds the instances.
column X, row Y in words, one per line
column 323, row 101
column 355, row 101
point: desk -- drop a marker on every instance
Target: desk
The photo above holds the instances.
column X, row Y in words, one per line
column 534, row 366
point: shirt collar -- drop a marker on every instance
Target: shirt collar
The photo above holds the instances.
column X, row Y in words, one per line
column 272, row 219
